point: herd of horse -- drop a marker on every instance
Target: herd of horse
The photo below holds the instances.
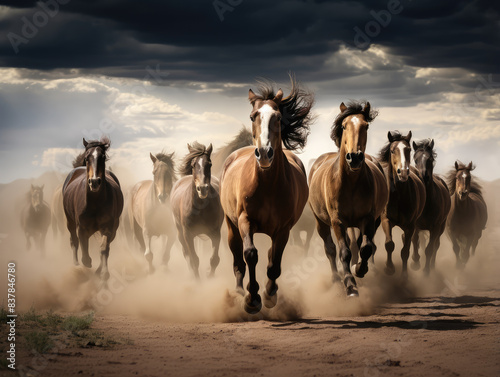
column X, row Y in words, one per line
column 264, row 188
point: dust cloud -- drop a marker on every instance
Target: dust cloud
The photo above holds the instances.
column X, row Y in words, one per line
column 172, row 294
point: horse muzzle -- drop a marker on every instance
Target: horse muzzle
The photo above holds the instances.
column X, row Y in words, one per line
column 462, row 195
column 355, row 160
column 162, row 198
column 403, row 174
column 265, row 157
column 202, row 191
column 95, row 184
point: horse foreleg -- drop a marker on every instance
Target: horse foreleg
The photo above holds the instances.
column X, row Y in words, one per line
column 147, row 252
column 466, row 253
column 325, row 233
column 475, row 242
column 345, row 257
column 353, row 245
column 456, row 250
column 253, row 302
column 236, row 246
column 389, row 244
column 84, row 245
column 430, row 251
column 274, row 268
column 102, row 270
column 436, row 245
column 367, row 247
column 405, row 251
column 415, row 265
column 168, row 247
column 190, row 254
column 214, row 259
column 42, row 243
column 74, row 241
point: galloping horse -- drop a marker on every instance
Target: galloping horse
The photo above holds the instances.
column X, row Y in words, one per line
column 264, row 187
column 437, row 204
column 35, row 218
column 93, row 202
column 406, row 196
column 468, row 214
column 196, row 205
column 348, row 189
column 149, row 210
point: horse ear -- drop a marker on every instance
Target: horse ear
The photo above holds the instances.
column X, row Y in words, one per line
column 343, row 107
column 153, row 158
column 251, row 96
column 209, row 149
column 278, row 97
column 408, row 137
column 414, row 146
column 470, row 167
column 432, row 144
column 367, row 108
column 389, row 136
column 456, row 165
column 85, row 143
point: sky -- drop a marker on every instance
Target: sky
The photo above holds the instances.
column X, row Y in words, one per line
column 155, row 75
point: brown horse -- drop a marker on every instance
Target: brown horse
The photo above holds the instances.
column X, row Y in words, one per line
column 406, row 196
column 93, row 202
column 196, row 205
column 468, row 214
column 437, row 204
column 35, row 218
column 348, row 189
column 149, row 210
column 264, row 187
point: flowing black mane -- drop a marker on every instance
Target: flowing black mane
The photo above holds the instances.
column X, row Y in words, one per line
column 451, row 180
column 353, row 108
column 196, row 150
column 295, row 112
column 167, row 159
column 79, row 160
column 385, row 153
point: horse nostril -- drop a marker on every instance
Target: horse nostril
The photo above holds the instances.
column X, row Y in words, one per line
column 348, row 157
column 270, row 153
column 257, row 154
column 89, row 181
column 399, row 171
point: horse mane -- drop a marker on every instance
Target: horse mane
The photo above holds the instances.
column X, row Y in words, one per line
column 451, row 180
column 197, row 150
column 167, row 159
column 353, row 108
column 385, row 153
column 242, row 139
column 424, row 145
column 79, row 160
column 295, row 110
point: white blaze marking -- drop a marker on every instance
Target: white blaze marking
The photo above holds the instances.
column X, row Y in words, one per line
column 401, row 148
column 95, row 154
column 464, row 175
column 266, row 112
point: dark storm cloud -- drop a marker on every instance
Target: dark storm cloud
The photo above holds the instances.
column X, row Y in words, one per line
column 256, row 38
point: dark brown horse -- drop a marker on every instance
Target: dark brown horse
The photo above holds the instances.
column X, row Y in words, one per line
column 35, row 218
column 406, row 196
column 93, row 202
column 348, row 189
column 196, row 205
column 468, row 214
column 149, row 210
column 437, row 204
column 264, row 187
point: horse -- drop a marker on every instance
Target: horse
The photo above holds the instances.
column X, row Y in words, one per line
column 242, row 139
column 406, row 196
column 196, row 205
column 149, row 210
column 35, row 218
column 264, row 187
column 348, row 189
column 437, row 204
column 468, row 214
column 93, row 202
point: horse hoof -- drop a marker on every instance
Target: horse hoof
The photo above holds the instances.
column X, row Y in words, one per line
column 270, row 301
column 352, row 292
column 389, row 246
column 361, row 269
column 415, row 265
column 389, row 270
column 253, row 307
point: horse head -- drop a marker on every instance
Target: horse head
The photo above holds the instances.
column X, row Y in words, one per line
column 95, row 161
column 266, row 127
column 463, row 179
column 36, row 194
column 201, row 170
column 400, row 154
column 425, row 158
column 163, row 175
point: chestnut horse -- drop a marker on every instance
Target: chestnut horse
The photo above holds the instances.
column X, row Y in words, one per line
column 196, row 205
column 406, row 196
column 35, row 218
column 348, row 189
column 149, row 210
column 93, row 202
column 264, row 187
column 468, row 214
column 437, row 204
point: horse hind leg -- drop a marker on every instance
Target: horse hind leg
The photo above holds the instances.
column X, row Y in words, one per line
column 274, row 268
column 415, row 264
column 389, row 246
column 236, row 246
